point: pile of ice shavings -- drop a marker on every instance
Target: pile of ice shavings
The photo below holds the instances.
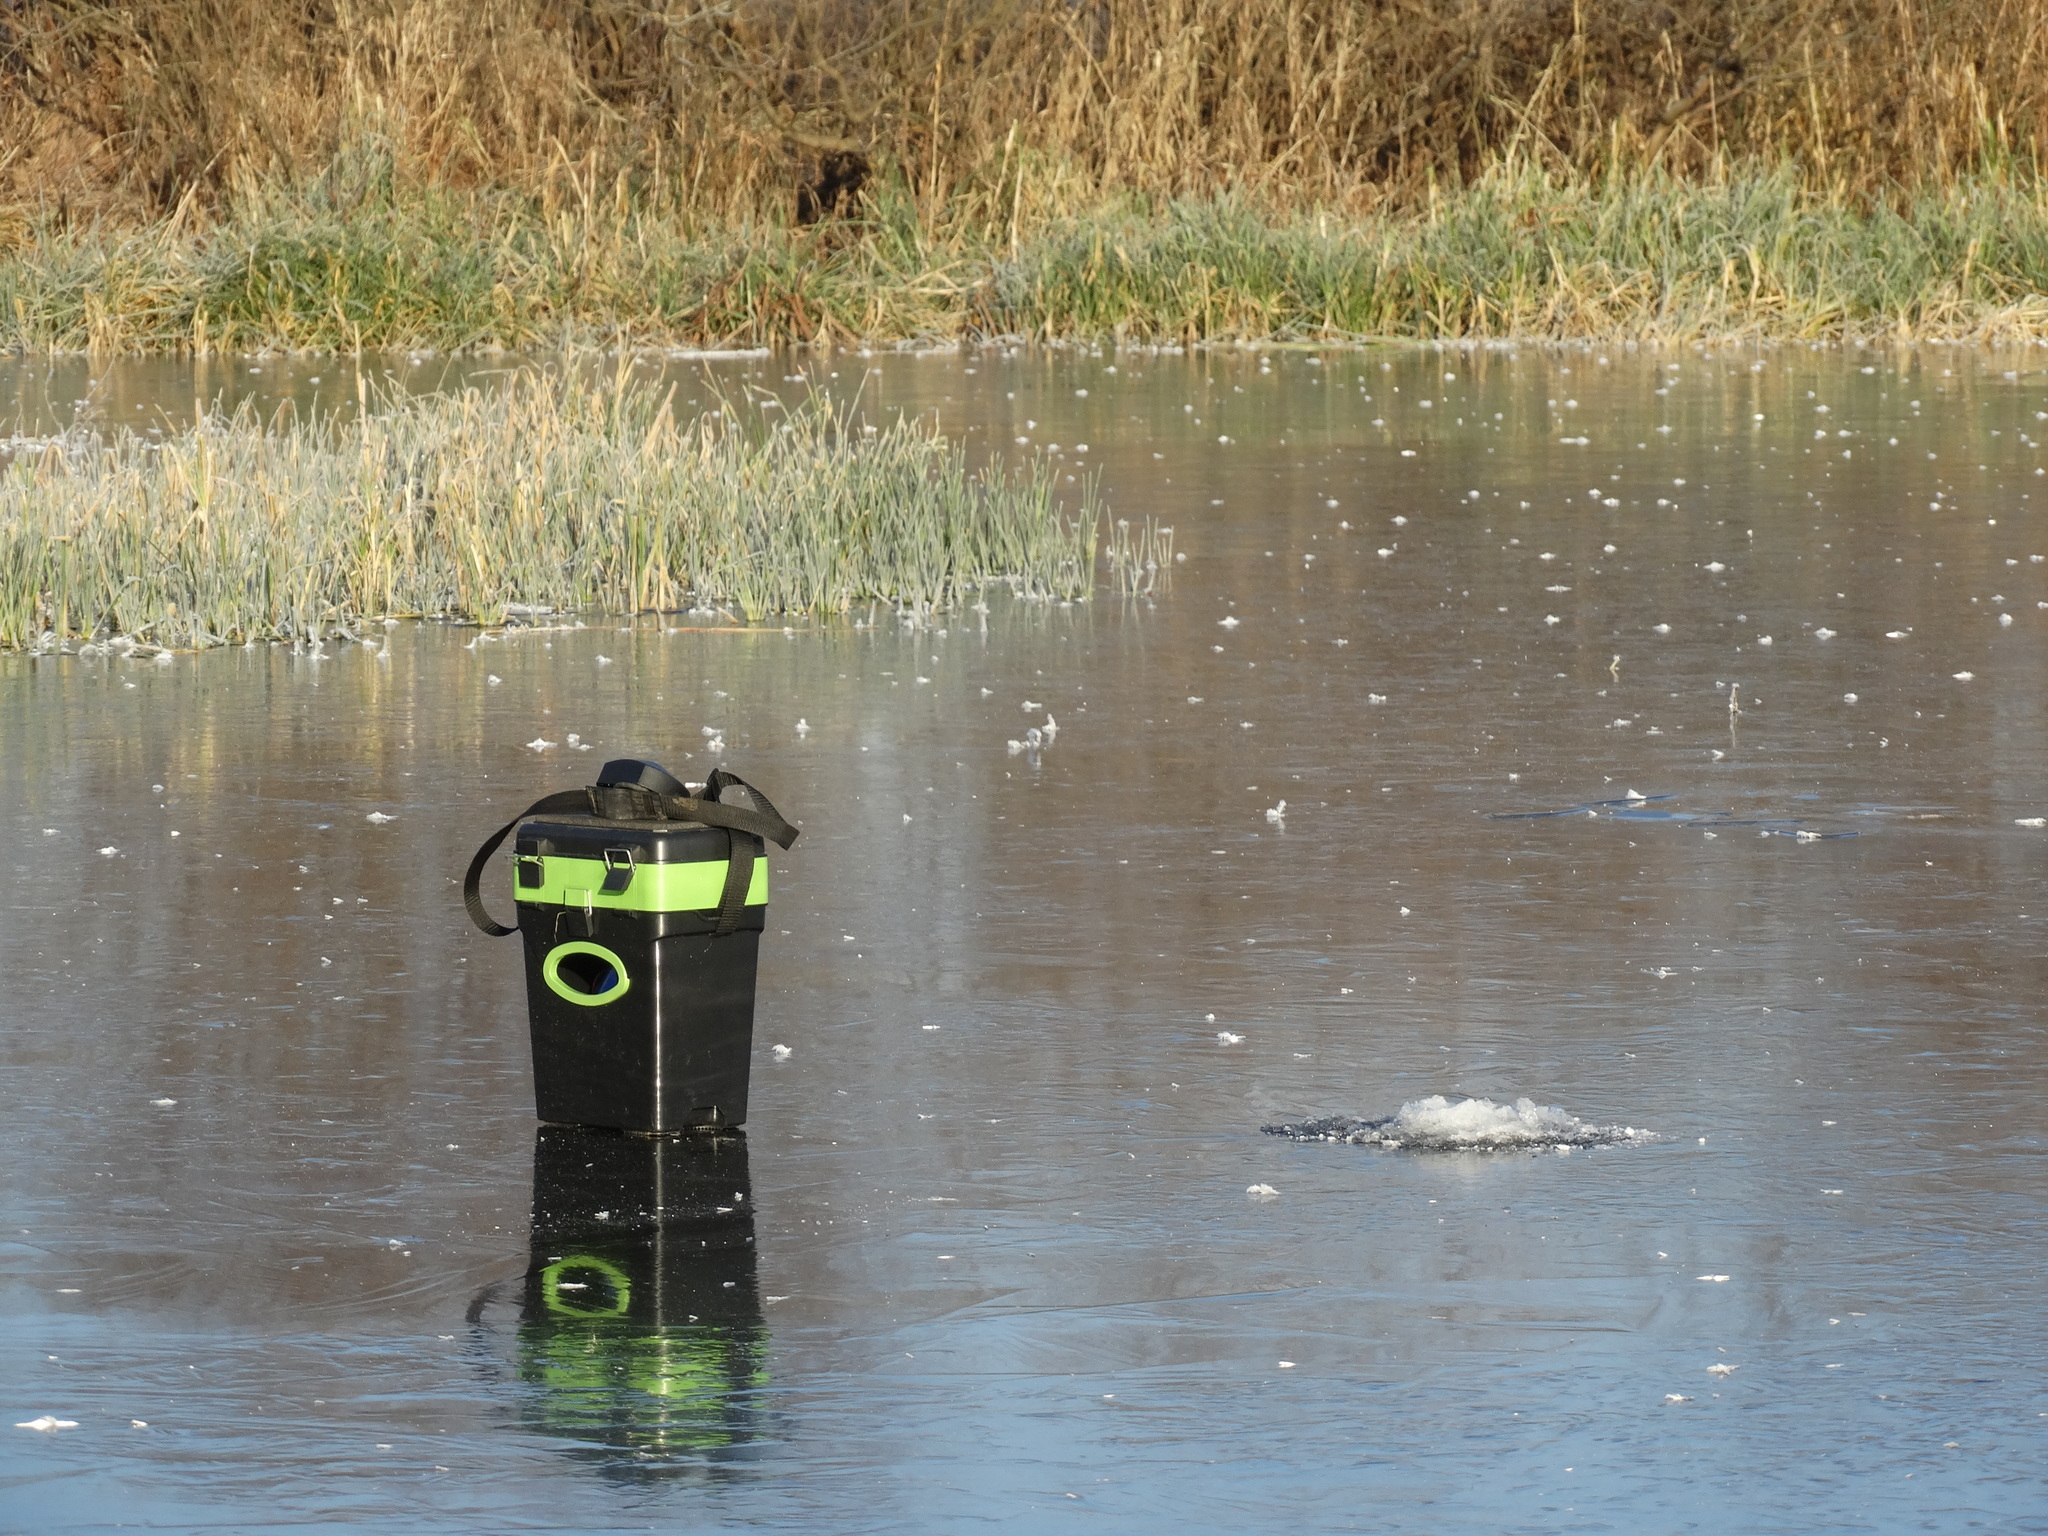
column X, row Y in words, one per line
column 1438, row 1124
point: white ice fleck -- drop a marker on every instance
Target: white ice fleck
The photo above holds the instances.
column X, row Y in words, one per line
column 109, row 851
column 379, row 818
column 1716, row 1279
column 163, row 1103
column 539, row 744
column 1964, row 677
column 1227, row 1037
column 2031, row 821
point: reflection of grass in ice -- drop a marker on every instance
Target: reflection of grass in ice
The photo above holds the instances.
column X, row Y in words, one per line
column 1438, row 1123
column 547, row 494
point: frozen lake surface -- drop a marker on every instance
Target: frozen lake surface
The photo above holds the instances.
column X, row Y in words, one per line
column 1005, row 1248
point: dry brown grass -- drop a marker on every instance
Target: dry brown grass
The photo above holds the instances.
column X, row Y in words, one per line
column 1001, row 111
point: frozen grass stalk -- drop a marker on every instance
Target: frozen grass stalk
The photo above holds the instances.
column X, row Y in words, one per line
column 547, row 492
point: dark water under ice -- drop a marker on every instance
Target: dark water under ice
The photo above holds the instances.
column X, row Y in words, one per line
column 1005, row 1247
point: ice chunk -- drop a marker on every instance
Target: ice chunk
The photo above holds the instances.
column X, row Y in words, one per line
column 1438, row 1124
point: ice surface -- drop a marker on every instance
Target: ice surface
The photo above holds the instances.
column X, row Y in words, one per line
column 1439, row 1124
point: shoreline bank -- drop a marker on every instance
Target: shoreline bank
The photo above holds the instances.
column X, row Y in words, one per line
column 1519, row 256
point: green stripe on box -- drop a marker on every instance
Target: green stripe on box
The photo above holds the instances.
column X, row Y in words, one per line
column 693, row 887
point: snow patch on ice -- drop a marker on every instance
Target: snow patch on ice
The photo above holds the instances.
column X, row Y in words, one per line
column 1440, row 1124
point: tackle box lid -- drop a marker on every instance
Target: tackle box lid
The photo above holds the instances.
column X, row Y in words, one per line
column 652, row 842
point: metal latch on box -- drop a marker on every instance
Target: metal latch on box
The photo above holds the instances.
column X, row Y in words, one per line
column 618, row 870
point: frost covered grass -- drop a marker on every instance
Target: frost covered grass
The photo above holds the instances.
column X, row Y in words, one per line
column 1440, row 1124
column 545, row 494
column 1519, row 251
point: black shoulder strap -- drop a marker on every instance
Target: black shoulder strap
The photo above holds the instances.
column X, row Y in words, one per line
column 577, row 800
column 743, row 844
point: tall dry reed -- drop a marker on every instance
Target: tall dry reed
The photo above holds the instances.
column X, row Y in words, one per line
column 1005, row 111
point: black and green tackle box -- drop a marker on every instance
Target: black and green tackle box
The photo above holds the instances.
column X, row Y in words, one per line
column 641, row 909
